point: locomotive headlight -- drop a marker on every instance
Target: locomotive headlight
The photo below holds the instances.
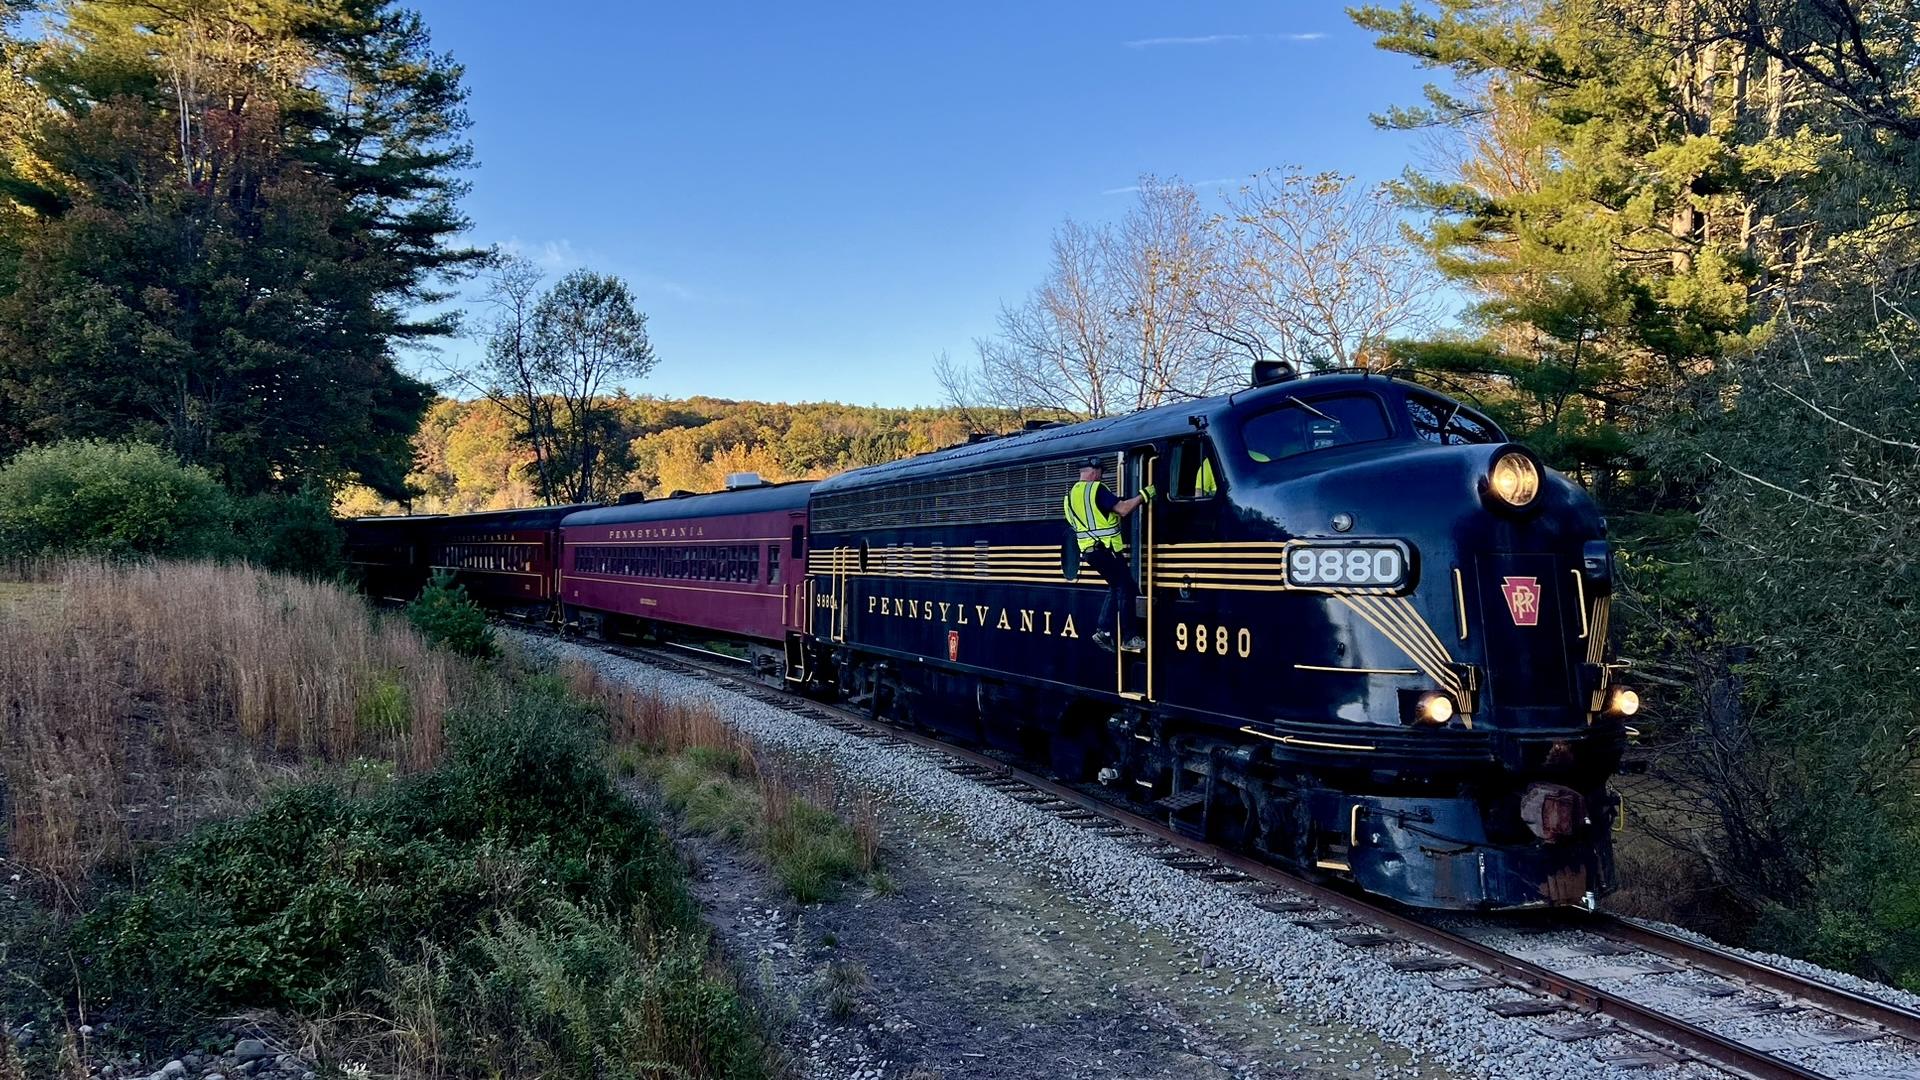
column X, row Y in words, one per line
column 1514, row 478
column 1433, row 708
column 1622, row 701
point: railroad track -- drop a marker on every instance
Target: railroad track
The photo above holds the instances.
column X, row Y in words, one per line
column 1564, row 1006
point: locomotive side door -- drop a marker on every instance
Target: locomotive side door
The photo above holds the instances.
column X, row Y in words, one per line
column 1133, row 672
column 1189, row 512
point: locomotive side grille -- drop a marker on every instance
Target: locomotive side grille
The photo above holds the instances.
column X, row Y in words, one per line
column 1030, row 492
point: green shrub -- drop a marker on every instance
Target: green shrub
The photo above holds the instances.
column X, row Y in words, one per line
column 447, row 616
column 291, row 905
column 296, row 534
column 511, row 913
column 112, row 499
column 812, row 851
column 574, row 992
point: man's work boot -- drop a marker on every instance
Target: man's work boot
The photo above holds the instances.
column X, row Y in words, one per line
column 1103, row 639
column 1136, row 643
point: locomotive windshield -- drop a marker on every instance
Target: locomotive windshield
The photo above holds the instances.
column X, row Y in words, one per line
column 1437, row 420
column 1299, row 427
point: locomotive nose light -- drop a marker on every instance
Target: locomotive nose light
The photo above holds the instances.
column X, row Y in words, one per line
column 1514, row 479
column 1433, row 708
column 1622, row 701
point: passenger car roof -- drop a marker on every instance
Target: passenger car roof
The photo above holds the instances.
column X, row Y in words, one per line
column 765, row 498
column 529, row 517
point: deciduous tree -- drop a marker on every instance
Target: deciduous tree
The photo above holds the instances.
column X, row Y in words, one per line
column 552, row 360
column 1117, row 324
column 1314, row 270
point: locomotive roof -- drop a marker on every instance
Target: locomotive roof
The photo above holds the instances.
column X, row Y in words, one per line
column 761, row 499
column 1091, row 437
column 529, row 517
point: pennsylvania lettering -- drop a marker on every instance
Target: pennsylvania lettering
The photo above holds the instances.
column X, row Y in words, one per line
column 1041, row 621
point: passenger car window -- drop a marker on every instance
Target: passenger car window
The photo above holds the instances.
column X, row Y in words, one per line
column 773, row 564
column 1302, row 426
column 1437, row 420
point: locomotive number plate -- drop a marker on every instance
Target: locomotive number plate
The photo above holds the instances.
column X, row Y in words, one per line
column 1346, row 564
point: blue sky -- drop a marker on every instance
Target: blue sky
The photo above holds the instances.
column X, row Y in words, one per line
column 812, row 201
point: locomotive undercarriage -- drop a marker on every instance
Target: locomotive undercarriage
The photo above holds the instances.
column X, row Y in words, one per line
column 1430, row 837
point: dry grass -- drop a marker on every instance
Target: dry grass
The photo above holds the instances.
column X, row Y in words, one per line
column 652, row 722
column 136, row 700
column 810, row 828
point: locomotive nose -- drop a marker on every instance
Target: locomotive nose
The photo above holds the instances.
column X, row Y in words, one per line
column 1508, row 608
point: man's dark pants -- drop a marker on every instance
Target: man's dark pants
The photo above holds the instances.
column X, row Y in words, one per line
column 1112, row 568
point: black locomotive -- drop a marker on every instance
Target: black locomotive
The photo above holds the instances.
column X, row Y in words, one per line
column 1375, row 631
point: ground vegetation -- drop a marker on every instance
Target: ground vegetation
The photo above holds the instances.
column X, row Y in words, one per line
column 122, row 501
column 815, row 836
column 446, row 616
column 138, row 699
column 282, row 805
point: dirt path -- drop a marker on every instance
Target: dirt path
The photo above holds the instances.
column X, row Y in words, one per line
column 974, row 969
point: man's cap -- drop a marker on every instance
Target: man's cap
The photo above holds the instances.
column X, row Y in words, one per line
column 1093, row 463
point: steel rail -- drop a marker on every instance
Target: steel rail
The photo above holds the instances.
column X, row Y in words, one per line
column 1690, row 1039
column 1838, row 1000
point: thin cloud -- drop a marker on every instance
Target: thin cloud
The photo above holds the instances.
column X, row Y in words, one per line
column 1217, row 39
column 552, row 256
column 1207, row 39
column 1196, row 185
column 560, row 256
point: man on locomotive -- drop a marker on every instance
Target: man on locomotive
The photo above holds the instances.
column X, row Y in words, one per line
column 1095, row 513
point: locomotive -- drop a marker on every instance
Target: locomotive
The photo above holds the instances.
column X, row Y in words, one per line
column 1375, row 640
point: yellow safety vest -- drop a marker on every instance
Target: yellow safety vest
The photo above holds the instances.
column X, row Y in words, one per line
column 1204, row 484
column 1091, row 525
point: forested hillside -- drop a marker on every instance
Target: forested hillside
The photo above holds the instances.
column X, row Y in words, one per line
column 469, row 455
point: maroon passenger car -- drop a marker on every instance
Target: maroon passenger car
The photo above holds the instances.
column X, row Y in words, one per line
column 505, row 558
column 731, row 564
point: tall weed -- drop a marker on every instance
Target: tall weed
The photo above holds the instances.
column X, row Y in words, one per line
column 133, row 696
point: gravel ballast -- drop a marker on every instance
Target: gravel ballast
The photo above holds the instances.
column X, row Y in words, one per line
column 1307, row 969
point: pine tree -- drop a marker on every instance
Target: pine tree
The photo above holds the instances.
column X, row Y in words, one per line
column 1691, row 229
column 223, row 218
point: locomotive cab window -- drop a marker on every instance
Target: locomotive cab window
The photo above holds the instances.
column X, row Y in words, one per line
column 1300, row 426
column 1195, row 474
column 1449, row 423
